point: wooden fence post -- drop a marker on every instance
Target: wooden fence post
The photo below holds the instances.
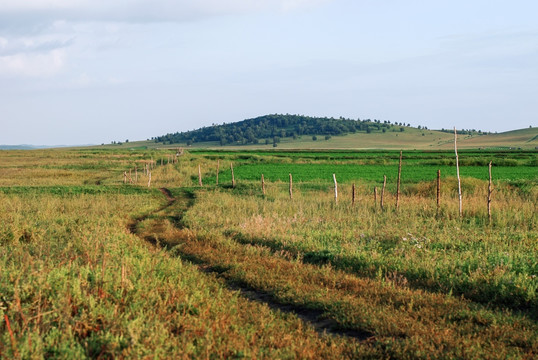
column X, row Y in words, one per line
column 291, row 187
column 233, row 178
column 458, row 172
column 130, row 177
column 353, row 194
column 136, row 174
column 125, row 177
column 199, row 176
column 398, row 184
column 218, row 165
column 335, row 189
column 438, row 191
column 375, row 197
column 490, row 190
column 383, row 192
column 263, row 185
column 149, row 179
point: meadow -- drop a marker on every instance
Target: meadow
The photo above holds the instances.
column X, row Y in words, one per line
column 92, row 267
column 411, row 138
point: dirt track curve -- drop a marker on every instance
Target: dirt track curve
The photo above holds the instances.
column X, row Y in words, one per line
column 314, row 318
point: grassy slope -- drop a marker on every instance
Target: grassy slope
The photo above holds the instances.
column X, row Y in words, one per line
column 524, row 138
column 411, row 138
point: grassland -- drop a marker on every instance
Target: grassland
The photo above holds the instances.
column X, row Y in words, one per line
column 95, row 268
column 411, row 138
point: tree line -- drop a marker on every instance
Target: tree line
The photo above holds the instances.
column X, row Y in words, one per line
column 272, row 128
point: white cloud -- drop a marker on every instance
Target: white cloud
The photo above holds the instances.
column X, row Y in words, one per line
column 33, row 56
column 32, row 64
column 27, row 44
column 15, row 5
column 35, row 33
column 139, row 10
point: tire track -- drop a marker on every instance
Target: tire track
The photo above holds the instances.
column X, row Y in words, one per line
column 315, row 318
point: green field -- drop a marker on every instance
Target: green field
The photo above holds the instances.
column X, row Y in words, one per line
column 370, row 167
column 92, row 267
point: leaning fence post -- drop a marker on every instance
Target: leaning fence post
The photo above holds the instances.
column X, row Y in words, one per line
column 438, row 191
column 291, row 187
column 375, row 197
column 218, row 165
column 263, row 185
column 398, row 184
column 458, row 171
column 233, row 178
column 383, row 191
column 490, row 190
column 335, row 189
column 199, row 176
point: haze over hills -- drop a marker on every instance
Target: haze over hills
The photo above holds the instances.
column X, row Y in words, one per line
column 35, row 147
column 28, row 147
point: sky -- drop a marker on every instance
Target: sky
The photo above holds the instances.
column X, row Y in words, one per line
column 96, row 71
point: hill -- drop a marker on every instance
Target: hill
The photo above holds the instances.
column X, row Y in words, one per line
column 272, row 129
column 303, row 132
column 522, row 138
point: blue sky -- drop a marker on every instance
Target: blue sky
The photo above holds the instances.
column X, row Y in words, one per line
column 94, row 71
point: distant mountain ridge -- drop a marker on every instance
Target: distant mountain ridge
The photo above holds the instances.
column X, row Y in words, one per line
column 34, row 147
column 22, row 147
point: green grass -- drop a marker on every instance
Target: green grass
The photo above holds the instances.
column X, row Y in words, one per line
column 75, row 190
column 267, row 245
column 76, row 284
column 94, row 268
column 370, row 173
column 488, row 264
column 367, row 166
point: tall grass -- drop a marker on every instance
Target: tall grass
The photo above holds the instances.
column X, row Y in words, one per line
column 491, row 263
column 74, row 283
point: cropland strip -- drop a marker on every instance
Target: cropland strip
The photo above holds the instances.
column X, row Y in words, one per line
column 402, row 322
